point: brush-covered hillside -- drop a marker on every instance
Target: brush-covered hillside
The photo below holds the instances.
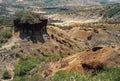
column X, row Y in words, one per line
column 86, row 49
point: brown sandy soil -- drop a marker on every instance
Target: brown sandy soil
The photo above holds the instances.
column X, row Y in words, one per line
column 108, row 56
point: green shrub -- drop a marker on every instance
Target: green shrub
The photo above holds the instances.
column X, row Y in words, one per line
column 111, row 10
column 29, row 78
column 18, row 55
column 0, row 45
column 26, row 15
column 69, row 76
column 24, row 66
column 6, row 34
column 28, row 64
column 6, row 75
column 6, row 21
column 108, row 74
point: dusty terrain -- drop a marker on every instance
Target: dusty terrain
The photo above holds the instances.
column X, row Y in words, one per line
column 85, row 42
column 108, row 56
column 69, row 43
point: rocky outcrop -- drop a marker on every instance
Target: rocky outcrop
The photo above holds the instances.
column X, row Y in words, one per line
column 34, row 26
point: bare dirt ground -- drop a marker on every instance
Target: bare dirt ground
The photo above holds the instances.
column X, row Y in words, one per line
column 12, row 42
column 108, row 56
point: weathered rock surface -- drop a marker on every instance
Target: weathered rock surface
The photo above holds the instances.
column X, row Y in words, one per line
column 36, row 26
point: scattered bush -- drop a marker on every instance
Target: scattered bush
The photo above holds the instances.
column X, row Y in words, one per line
column 111, row 10
column 6, row 75
column 5, row 35
column 18, row 6
column 6, row 21
column 24, row 66
column 26, row 15
column 25, row 71
column 27, row 64
column 108, row 74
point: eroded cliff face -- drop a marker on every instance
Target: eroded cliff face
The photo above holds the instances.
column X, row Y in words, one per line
column 33, row 26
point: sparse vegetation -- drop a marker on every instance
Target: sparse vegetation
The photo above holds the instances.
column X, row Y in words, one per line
column 26, row 15
column 111, row 10
column 80, row 50
column 108, row 74
column 24, row 67
column 18, row 6
column 37, row 61
column 6, row 75
column 5, row 35
column 6, row 21
column 28, row 64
